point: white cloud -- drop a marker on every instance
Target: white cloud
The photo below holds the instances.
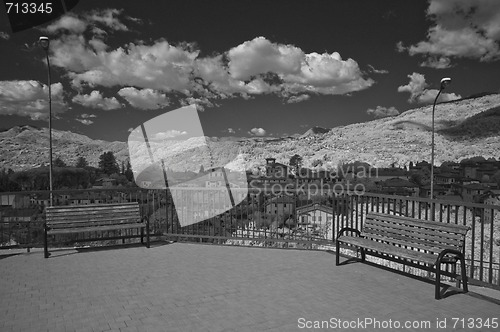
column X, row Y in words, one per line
column 86, row 122
column 160, row 66
column 200, row 103
column 260, row 56
column 437, row 63
column 257, row 132
column 377, row 71
column 86, row 116
column 463, row 29
column 417, row 87
column 67, row 22
column 168, row 134
column 30, row 98
column 145, row 99
column 298, row 99
column 4, row 35
column 231, row 130
column 254, row 67
column 106, row 18
column 96, row 100
column 382, row 112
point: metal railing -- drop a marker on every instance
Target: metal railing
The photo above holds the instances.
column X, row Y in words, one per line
column 265, row 218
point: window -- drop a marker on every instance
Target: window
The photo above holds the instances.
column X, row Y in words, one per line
column 314, row 218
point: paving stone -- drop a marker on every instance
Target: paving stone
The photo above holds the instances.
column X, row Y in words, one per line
column 193, row 287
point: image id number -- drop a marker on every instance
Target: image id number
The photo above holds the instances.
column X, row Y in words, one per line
column 475, row 323
column 28, row 7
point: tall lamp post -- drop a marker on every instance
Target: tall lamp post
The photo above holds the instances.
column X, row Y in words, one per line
column 45, row 43
column 444, row 83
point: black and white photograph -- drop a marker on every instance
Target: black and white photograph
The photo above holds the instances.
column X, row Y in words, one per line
column 249, row 165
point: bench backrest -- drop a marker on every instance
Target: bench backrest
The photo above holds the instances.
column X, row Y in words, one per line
column 71, row 216
column 414, row 233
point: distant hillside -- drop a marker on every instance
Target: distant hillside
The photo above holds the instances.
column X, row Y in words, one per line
column 315, row 130
column 484, row 124
column 464, row 129
column 23, row 147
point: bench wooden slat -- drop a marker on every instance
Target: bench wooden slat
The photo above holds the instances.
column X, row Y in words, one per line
column 405, row 242
column 449, row 233
column 76, row 220
column 94, row 229
column 89, row 211
column 93, row 223
column 92, row 206
column 390, row 249
column 412, row 233
column 461, row 229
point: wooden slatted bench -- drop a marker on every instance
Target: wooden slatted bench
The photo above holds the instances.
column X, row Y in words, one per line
column 425, row 244
column 94, row 218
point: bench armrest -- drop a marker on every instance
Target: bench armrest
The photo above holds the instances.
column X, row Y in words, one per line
column 348, row 229
column 442, row 254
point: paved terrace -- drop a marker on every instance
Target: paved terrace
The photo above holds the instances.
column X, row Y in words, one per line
column 194, row 287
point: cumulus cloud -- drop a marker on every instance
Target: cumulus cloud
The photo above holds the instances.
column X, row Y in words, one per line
column 30, row 99
column 437, row 63
column 254, row 67
column 231, row 130
column 257, row 132
column 382, row 112
column 86, row 122
column 417, row 87
column 86, row 116
column 144, row 99
column 260, row 56
column 298, row 99
column 200, row 103
column 462, row 29
column 168, row 134
column 69, row 23
column 105, row 18
column 96, row 100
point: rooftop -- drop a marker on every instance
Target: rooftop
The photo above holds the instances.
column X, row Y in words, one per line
column 195, row 287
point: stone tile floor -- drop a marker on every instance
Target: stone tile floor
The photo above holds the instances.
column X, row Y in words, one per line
column 194, row 287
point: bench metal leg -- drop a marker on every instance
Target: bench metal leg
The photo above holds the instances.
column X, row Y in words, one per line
column 142, row 235
column 437, row 294
column 45, row 246
column 363, row 255
column 147, row 233
column 464, row 274
column 337, row 253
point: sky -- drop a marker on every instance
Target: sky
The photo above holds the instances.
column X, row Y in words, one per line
column 251, row 68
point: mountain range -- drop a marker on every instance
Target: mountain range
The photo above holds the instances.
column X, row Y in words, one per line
column 463, row 129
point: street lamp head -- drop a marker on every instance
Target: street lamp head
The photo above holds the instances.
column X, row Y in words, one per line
column 445, row 82
column 44, row 42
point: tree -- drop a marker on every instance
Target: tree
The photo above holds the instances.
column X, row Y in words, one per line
column 496, row 177
column 108, row 164
column 81, row 162
column 129, row 174
column 296, row 162
column 58, row 162
column 6, row 183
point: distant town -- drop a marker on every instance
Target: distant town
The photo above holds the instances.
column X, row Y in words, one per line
column 271, row 187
